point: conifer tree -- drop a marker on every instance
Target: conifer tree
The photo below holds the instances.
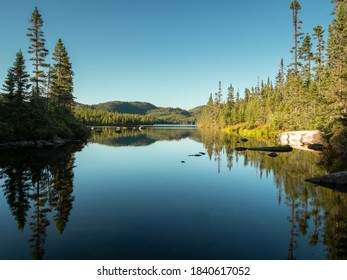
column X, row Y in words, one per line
column 306, row 55
column 337, row 57
column 280, row 76
column 39, row 52
column 61, row 89
column 9, row 85
column 296, row 7
column 16, row 85
column 318, row 57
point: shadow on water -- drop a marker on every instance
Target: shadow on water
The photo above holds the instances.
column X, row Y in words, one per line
column 38, row 183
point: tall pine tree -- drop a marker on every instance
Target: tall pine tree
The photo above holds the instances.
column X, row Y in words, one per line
column 39, row 52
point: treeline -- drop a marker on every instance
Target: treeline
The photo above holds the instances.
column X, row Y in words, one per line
column 40, row 105
column 92, row 116
column 311, row 93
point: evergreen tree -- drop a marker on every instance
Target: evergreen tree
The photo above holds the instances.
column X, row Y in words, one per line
column 280, row 76
column 16, row 88
column 337, row 57
column 318, row 57
column 61, row 89
column 9, row 84
column 306, row 55
column 296, row 7
column 39, row 52
column 230, row 97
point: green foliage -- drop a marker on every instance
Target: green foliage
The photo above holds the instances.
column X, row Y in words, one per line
column 123, row 114
column 311, row 95
column 30, row 117
column 61, row 90
column 140, row 108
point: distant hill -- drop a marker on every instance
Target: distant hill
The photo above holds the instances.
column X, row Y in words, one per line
column 140, row 108
column 197, row 111
column 136, row 109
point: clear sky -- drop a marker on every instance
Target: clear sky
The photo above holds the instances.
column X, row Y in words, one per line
column 166, row 52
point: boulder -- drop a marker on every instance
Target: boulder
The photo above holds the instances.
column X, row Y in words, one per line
column 316, row 147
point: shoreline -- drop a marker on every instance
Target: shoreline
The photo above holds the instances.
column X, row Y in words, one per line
column 41, row 143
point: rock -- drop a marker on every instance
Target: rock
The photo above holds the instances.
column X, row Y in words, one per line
column 5, row 146
column 196, row 155
column 278, row 149
column 183, row 161
column 273, row 154
column 201, row 153
column 241, row 148
column 316, row 147
column 335, row 179
column 244, row 139
column 59, row 142
column 24, row 144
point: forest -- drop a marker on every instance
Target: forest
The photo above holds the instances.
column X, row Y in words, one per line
column 122, row 113
column 40, row 105
column 309, row 94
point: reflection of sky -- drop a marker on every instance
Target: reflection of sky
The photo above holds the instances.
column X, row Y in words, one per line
column 142, row 202
column 147, row 191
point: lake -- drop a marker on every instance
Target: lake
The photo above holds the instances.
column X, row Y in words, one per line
column 167, row 193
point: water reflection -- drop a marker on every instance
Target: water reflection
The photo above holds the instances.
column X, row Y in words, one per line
column 38, row 188
column 37, row 183
column 110, row 136
column 315, row 212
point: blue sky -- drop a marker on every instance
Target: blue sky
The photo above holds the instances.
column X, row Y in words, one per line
column 169, row 53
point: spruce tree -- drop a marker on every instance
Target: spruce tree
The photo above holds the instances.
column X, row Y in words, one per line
column 61, row 89
column 296, row 7
column 306, row 55
column 337, row 57
column 9, row 84
column 280, row 75
column 318, row 58
column 16, row 85
column 16, row 88
column 39, row 52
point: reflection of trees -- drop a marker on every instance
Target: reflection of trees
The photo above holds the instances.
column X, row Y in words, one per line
column 135, row 137
column 315, row 212
column 42, row 182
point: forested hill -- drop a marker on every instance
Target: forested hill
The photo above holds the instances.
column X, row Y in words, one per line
column 129, row 113
column 124, row 107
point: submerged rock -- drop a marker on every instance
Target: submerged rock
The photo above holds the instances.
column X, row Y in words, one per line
column 241, row 148
column 244, row 139
column 278, row 149
column 338, row 179
column 273, row 154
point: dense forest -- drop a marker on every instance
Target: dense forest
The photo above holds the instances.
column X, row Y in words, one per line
column 134, row 113
column 40, row 105
column 311, row 93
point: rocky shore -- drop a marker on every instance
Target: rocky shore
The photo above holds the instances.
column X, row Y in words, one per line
column 36, row 143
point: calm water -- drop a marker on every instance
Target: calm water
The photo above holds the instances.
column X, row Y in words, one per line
column 139, row 195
